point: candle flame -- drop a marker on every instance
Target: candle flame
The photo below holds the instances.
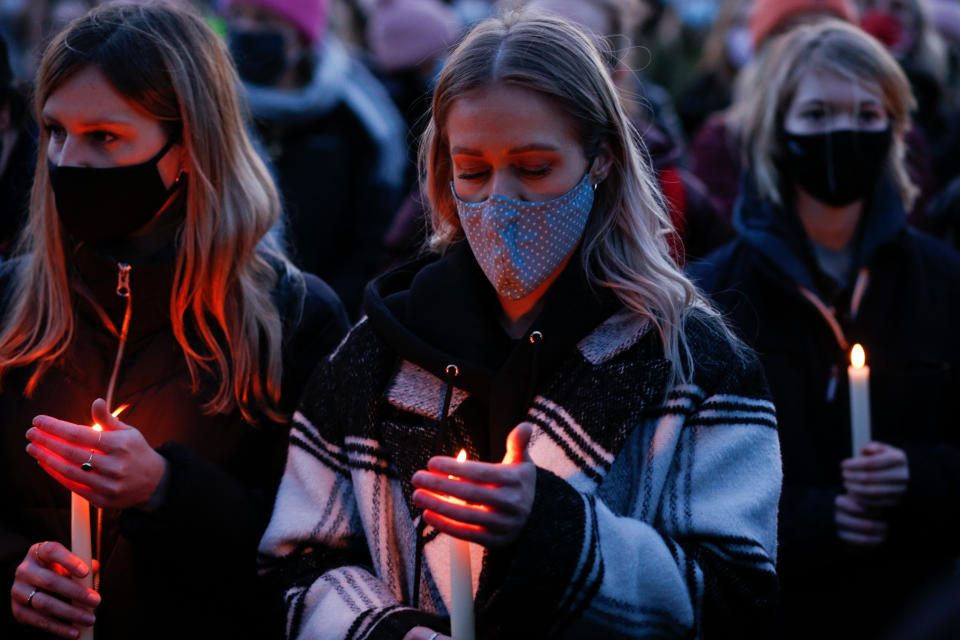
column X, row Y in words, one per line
column 462, row 455
column 857, row 357
column 116, row 412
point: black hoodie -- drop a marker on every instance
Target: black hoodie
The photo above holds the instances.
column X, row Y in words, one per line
column 440, row 311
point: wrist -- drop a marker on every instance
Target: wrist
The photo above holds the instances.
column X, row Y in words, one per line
column 159, row 495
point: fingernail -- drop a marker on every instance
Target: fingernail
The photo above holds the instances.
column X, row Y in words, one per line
column 74, row 633
column 88, row 619
column 93, row 598
column 80, row 570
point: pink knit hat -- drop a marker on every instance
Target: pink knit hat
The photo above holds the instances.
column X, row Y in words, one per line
column 403, row 33
column 767, row 16
column 308, row 16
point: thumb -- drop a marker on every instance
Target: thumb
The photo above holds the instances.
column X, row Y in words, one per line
column 517, row 443
column 104, row 418
column 873, row 448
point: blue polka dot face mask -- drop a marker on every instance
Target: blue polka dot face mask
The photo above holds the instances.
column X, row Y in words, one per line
column 520, row 244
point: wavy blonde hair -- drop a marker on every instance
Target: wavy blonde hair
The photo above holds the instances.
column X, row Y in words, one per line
column 831, row 46
column 170, row 64
column 625, row 246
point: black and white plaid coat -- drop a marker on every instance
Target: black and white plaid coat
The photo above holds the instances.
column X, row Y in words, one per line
column 653, row 516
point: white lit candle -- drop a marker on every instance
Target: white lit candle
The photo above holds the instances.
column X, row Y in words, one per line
column 859, row 375
column 461, row 585
column 80, row 538
column 80, row 542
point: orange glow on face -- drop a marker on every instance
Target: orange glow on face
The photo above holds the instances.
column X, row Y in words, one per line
column 857, row 357
column 116, row 412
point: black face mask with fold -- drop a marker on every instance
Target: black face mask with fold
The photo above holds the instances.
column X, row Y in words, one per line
column 107, row 204
column 837, row 167
column 261, row 56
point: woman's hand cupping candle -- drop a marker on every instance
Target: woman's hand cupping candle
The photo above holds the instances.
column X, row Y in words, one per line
column 481, row 502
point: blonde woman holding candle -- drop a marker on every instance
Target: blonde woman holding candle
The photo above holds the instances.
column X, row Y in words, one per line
column 146, row 276
column 824, row 260
column 622, row 467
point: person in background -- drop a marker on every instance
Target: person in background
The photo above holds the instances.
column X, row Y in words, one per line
column 17, row 155
column 146, row 283
column 333, row 135
column 727, row 49
column 823, row 260
column 715, row 148
column 408, row 40
column 906, row 28
column 623, row 458
column 699, row 227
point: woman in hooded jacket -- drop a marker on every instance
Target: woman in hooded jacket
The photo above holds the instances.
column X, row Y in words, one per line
column 147, row 285
column 622, row 466
column 825, row 260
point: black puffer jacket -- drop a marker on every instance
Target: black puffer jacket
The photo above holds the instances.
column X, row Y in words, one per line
column 907, row 323
column 186, row 570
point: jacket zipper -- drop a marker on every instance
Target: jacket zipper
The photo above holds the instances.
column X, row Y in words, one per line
column 123, row 290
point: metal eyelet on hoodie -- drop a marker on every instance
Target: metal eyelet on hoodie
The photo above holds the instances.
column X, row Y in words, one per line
column 535, row 337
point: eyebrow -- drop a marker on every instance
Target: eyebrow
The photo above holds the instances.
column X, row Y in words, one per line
column 536, row 146
column 92, row 123
column 871, row 102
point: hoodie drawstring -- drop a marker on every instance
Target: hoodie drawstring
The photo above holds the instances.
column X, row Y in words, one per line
column 452, row 372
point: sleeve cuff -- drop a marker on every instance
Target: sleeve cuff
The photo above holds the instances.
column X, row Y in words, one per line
column 523, row 585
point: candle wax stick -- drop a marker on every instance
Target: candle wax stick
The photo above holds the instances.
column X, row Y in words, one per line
column 461, row 591
column 80, row 545
column 860, row 432
column 461, row 582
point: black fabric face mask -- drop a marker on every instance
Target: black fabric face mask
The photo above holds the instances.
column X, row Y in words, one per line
column 839, row 167
column 107, row 204
column 261, row 56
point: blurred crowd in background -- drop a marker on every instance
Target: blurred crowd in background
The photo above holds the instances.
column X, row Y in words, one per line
column 338, row 91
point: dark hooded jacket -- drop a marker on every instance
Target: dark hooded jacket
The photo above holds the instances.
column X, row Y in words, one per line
column 906, row 320
column 187, row 568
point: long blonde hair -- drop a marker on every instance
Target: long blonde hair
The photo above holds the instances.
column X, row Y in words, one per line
column 170, row 64
column 834, row 47
column 625, row 247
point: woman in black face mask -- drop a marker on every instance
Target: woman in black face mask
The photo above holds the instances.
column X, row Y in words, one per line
column 148, row 284
column 824, row 260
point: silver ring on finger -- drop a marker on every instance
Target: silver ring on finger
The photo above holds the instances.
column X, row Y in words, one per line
column 434, row 636
column 88, row 465
column 30, row 598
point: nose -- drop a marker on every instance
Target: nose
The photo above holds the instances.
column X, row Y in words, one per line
column 503, row 184
column 70, row 153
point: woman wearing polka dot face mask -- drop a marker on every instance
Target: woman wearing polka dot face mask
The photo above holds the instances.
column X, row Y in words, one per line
column 548, row 334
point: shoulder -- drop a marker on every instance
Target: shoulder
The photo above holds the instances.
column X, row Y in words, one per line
column 352, row 378
column 306, row 303
column 935, row 256
column 716, row 270
column 721, row 363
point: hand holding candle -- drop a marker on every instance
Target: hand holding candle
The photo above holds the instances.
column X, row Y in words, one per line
column 486, row 503
column 48, row 575
column 126, row 471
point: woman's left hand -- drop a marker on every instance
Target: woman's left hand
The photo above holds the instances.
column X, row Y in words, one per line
column 878, row 477
column 126, row 471
column 482, row 502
